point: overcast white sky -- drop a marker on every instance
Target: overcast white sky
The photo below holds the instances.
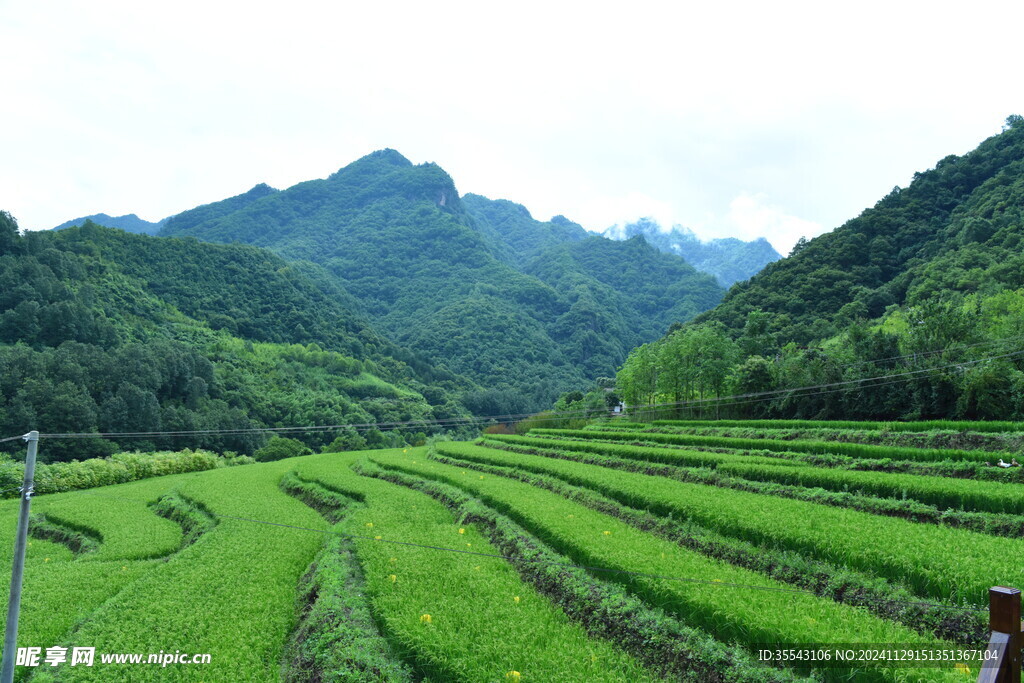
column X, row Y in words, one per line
column 747, row 119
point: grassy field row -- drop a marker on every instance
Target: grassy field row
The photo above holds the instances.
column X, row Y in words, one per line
column 942, row 492
column 945, row 493
column 920, row 426
column 231, row 593
column 704, row 456
column 336, row 637
column 839, row 583
column 671, row 648
column 128, row 536
column 995, row 442
column 855, row 450
column 902, row 506
column 127, row 529
column 668, row 456
column 939, row 562
column 774, row 614
column 484, row 621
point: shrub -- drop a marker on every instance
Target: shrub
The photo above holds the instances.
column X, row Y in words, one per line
column 281, row 447
column 119, row 468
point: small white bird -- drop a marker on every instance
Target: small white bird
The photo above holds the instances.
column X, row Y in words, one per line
column 1003, row 464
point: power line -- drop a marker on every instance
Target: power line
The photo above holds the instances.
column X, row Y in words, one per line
column 846, row 383
column 441, row 422
column 816, row 393
column 932, row 352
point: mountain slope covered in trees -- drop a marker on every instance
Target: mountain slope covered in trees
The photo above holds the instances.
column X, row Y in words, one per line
column 959, row 217
column 102, row 330
column 464, row 280
column 924, row 291
column 513, row 235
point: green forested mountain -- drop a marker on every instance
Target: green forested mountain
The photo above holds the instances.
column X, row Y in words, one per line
column 951, row 229
column 468, row 282
column 102, row 330
column 621, row 294
column 926, row 288
column 729, row 259
column 212, row 212
column 513, row 235
column 128, row 223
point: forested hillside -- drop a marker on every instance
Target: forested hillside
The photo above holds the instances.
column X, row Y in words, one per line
column 101, row 330
column 962, row 215
column 729, row 259
column 622, row 294
column 923, row 291
column 467, row 282
column 513, row 235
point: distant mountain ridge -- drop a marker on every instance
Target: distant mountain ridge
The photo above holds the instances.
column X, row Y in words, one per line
column 474, row 284
column 215, row 210
column 514, row 236
column 129, row 223
column 729, row 259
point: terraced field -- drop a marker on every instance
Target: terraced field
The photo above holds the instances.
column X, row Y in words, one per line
column 621, row 552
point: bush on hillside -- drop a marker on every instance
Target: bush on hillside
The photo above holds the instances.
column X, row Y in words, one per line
column 117, row 469
column 281, row 447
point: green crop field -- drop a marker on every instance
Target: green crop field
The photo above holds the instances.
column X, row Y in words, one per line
column 622, row 552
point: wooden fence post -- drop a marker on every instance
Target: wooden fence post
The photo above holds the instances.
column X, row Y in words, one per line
column 1006, row 641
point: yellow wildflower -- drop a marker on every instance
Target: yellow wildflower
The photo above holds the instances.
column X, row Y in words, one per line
column 393, row 559
column 462, row 531
column 607, row 533
column 514, row 675
column 426, row 619
column 369, row 525
column 46, row 559
column 516, row 599
column 963, row 668
column 393, row 578
column 377, row 538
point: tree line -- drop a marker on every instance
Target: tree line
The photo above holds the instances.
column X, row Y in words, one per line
column 955, row 357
